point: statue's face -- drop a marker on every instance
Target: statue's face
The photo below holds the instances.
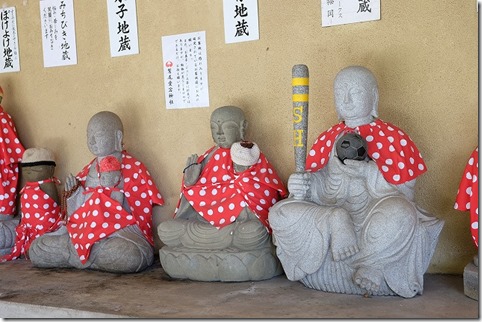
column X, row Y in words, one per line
column 226, row 128
column 101, row 142
column 354, row 97
column 38, row 172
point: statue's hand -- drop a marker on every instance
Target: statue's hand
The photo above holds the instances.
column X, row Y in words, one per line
column 299, row 184
column 70, row 182
column 192, row 170
column 356, row 168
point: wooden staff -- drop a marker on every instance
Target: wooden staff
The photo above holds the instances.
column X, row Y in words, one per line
column 300, row 84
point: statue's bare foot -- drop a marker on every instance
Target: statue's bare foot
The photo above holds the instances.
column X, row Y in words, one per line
column 369, row 279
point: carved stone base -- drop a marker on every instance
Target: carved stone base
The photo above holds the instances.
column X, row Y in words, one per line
column 471, row 280
column 224, row 266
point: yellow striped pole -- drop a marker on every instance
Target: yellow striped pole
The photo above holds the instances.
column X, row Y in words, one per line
column 300, row 85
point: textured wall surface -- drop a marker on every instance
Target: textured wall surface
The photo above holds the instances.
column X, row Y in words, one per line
column 424, row 54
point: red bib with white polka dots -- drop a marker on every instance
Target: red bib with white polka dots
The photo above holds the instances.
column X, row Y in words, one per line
column 40, row 215
column 220, row 194
column 139, row 189
column 468, row 194
column 11, row 154
column 99, row 217
column 393, row 151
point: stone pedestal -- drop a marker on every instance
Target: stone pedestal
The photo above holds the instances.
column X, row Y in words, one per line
column 471, row 279
column 231, row 265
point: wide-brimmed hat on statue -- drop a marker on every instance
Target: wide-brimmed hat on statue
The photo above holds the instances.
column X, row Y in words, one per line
column 37, row 156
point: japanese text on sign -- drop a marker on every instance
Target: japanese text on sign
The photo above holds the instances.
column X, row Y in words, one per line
column 122, row 27
column 58, row 32
column 240, row 20
column 10, row 61
column 185, row 70
column 339, row 12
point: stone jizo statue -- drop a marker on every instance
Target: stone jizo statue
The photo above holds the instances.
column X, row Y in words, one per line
column 220, row 230
column 353, row 226
column 39, row 201
column 104, row 230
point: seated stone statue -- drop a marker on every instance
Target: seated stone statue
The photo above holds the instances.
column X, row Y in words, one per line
column 11, row 151
column 353, row 226
column 39, row 202
column 220, row 231
column 112, row 236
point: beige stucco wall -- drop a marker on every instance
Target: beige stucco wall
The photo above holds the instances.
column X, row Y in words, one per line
column 424, row 54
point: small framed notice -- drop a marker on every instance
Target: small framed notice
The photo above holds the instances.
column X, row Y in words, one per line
column 340, row 12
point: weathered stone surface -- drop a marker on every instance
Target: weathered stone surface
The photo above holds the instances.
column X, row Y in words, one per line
column 471, row 280
column 229, row 265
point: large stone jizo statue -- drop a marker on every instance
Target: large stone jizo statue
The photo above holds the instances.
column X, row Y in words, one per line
column 220, row 230
column 353, row 226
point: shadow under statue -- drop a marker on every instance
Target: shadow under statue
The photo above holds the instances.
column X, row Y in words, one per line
column 220, row 230
column 353, row 226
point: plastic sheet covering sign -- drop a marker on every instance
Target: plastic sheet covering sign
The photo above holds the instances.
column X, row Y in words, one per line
column 10, row 61
column 185, row 70
column 58, row 32
column 339, row 12
column 122, row 27
column 240, row 20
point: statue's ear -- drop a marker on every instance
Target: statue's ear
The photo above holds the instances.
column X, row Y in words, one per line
column 118, row 140
column 244, row 125
column 375, row 102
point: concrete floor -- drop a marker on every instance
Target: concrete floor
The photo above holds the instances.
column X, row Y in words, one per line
column 28, row 292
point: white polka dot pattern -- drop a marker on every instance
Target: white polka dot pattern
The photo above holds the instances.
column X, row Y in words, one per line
column 87, row 226
column 391, row 149
column 468, row 194
column 220, row 194
column 11, row 154
column 40, row 215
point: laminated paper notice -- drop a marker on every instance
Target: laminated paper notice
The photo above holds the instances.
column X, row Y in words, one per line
column 340, row 12
column 58, row 32
column 185, row 70
column 10, row 61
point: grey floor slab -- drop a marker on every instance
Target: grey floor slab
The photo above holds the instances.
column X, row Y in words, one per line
column 28, row 292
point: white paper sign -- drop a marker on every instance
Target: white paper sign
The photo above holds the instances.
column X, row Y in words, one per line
column 58, row 32
column 240, row 20
column 10, row 61
column 185, row 70
column 339, row 12
column 122, row 27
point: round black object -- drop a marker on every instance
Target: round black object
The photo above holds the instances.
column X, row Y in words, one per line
column 351, row 146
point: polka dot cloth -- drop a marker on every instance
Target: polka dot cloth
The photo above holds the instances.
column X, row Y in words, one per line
column 99, row 217
column 393, row 151
column 139, row 189
column 40, row 215
column 11, row 154
column 468, row 194
column 220, row 194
